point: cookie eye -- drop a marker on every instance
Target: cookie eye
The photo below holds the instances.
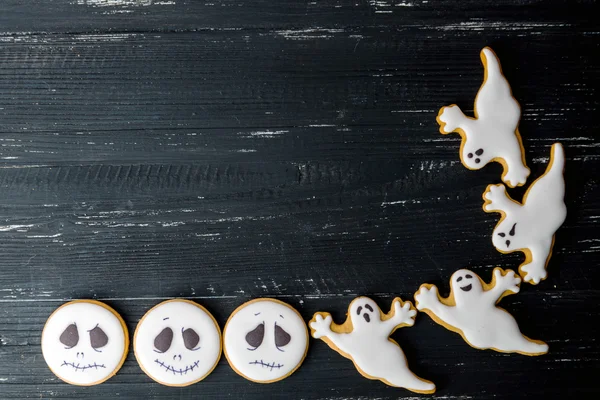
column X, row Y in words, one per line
column 459, row 279
column 98, row 338
column 255, row 337
column 282, row 338
column 512, row 231
column 368, row 307
column 358, row 310
column 468, row 276
column 190, row 339
column 163, row 340
column 70, row 336
column 502, row 234
column 470, row 155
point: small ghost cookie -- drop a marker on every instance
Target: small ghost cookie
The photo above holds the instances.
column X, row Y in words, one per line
column 529, row 227
column 85, row 342
column 364, row 339
column 471, row 311
column 493, row 134
column 265, row 340
column 177, row 343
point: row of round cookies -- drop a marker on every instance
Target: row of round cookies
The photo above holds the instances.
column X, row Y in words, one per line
column 178, row 342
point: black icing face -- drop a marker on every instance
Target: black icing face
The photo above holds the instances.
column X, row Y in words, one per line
column 506, row 238
column 364, row 312
column 474, row 155
column 465, row 283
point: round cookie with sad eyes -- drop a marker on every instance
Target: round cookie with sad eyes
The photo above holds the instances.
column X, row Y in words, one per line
column 85, row 342
column 265, row 340
column 177, row 343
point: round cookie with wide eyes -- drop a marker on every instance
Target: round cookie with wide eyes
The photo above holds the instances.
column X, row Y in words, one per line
column 85, row 342
column 177, row 343
column 265, row 340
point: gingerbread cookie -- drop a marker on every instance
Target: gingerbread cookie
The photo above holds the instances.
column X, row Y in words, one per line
column 177, row 343
column 85, row 342
column 364, row 339
column 493, row 134
column 265, row 340
column 471, row 311
column 529, row 227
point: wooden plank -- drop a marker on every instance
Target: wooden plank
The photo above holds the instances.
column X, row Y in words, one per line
column 311, row 16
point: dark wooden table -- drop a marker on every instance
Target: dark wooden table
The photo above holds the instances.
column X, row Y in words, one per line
column 227, row 150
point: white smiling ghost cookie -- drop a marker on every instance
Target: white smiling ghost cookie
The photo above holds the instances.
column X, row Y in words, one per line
column 530, row 227
column 470, row 310
column 177, row 343
column 85, row 342
column 364, row 339
column 493, row 134
column 265, row 340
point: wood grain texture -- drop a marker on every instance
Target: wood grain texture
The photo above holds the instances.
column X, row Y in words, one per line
column 227, row 150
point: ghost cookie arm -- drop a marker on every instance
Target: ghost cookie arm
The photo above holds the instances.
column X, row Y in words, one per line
column 451, row 118
column 428, row 299
column 321, row 329
column 403, row 314
column 497, row 200
column 503, row 285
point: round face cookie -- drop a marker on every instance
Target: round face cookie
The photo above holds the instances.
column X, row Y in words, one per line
column 85, row 342
column 265, row 340
column 177, row 343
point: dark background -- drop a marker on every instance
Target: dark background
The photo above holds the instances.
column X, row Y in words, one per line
column 227, row 150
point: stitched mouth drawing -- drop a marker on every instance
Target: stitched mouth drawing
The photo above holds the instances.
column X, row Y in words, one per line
column 264, row 364
column 467, row 288
column 175, row 371
column 79, row 367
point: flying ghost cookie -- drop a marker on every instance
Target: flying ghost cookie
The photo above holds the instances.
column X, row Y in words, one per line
column 265, row 340
column 177, row 343
column 493, row 134
column 364, row 339
column 529, row 227
column 471, row 311
column 85, row 342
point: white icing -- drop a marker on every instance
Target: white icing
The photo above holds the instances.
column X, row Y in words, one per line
column 82, row 364
column 369, row 346
column 483, row 325
column 175, row 364
column 543, row 211
column 267, row 362
column 494, row 130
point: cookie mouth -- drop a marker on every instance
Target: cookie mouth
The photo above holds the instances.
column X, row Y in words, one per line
column 79, row 367
column 367, row 318
column 266, row 364
column 467, row 288
column 180, row 371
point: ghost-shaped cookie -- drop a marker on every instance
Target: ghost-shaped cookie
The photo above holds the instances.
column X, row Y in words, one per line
column 85, row 342
column 530, row 226
column 470, row 310
column 177, row 343
column 493, row 134
column 265, row 340
column 364, row 339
